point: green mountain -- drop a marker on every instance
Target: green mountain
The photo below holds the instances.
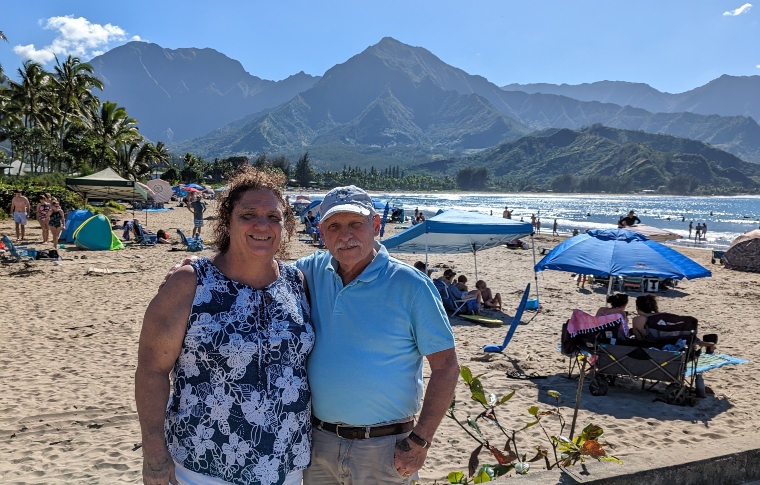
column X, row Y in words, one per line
column 629, row 160
column 178, row 94
column 725, row 96
column 395, row 96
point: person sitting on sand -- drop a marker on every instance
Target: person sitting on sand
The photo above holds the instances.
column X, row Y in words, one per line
column 420, row 266
column 490, row 300
column 448, row 280
column 162, row 237
column 617, row 302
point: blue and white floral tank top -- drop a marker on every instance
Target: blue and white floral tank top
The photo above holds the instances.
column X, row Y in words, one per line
column 240, row 407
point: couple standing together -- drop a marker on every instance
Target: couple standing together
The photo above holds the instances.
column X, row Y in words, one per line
column 275, row 368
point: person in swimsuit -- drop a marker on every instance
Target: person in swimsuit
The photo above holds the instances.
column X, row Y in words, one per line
column 43, row 209
column 56, row 222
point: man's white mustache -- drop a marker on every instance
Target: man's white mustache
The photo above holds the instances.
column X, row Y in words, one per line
column 351, row 243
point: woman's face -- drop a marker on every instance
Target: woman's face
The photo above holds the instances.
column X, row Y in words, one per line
column 257, row 223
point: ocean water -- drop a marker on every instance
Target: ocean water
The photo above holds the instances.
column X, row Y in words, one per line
column 726, row 217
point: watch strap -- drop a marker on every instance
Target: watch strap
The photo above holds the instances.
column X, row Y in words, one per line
column 415, row 438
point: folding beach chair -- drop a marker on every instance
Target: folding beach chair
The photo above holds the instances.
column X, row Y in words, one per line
column 140, row 237
column 454, row 304
column 16, row 252
column 192, row 244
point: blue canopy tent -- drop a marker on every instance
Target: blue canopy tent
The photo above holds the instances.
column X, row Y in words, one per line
column 619, row 252
column 455, row 231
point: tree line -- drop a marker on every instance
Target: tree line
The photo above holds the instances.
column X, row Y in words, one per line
column 55, row 122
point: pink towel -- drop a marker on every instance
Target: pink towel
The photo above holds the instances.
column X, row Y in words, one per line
column 582, row 322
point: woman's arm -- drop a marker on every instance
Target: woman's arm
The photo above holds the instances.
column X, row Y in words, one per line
column 163, row 332
column 638, row 326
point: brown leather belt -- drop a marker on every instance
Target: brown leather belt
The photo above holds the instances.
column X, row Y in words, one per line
column 363, row 432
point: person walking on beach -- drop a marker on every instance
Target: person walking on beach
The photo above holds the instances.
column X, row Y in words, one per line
column 20, row 209
column 698, row 234
column 691, row 226
column 197, row 207
column 554, row 228
column 538, row 226
column 533, row 221
column 704, row 231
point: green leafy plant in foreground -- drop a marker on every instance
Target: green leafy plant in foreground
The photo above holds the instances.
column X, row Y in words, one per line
column 565, row 451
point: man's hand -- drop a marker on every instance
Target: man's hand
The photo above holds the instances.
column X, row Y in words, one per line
column 409, row 457
column 159, row 469
column 174, row 269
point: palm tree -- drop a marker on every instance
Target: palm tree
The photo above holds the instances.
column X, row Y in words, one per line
column 112, row 126
column 29, row 97
column 72, row 84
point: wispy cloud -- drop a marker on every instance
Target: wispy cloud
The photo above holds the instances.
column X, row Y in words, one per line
column 743, row 9
column 76, row 36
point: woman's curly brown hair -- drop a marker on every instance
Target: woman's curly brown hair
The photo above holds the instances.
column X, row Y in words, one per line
column 245, row 179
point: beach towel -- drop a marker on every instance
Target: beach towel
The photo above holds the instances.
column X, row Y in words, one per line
column 581, row 322
column 713, row 361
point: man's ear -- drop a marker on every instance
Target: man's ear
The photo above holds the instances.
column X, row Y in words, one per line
column 376, row 224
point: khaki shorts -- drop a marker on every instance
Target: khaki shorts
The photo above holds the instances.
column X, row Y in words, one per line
column 335, row 460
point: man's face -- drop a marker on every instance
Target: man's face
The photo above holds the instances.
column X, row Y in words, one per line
column 350, row 238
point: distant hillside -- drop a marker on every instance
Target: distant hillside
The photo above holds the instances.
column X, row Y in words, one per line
column 640, row 160
column 177, row 94
column 725, row 96
column 393, row 95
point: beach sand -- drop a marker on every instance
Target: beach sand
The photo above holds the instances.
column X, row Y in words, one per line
column 68, row 351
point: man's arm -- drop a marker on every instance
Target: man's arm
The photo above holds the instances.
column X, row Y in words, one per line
column 438, row 395
column 161, row 340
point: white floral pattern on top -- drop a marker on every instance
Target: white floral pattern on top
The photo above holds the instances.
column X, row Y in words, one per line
column 240, row 407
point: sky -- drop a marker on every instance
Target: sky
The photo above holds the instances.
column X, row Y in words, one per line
column 673, row 45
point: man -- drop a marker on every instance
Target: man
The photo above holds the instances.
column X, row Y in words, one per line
column 704, row 231
column 365, row 371
column 630, row 220
column 554, row 228
column 20, row 208
column 197, row 207
column 691, row 226
column 506, row 214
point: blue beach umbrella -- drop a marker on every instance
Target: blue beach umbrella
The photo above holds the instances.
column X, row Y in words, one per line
column 619, row 252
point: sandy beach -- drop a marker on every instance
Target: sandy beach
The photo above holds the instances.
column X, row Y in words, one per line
column 68, row 351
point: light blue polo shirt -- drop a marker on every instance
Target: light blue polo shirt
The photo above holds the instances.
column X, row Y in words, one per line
column 371, row 336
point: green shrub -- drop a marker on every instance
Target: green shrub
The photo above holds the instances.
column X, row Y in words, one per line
column 69, row 200
column 115, row 206
column 3, row 215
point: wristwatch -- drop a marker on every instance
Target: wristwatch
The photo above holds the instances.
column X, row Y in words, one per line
column 415, row 438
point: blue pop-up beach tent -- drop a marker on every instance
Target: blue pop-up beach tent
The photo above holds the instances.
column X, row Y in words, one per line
column 73, row 221
column 456, row 231
column 619, row 252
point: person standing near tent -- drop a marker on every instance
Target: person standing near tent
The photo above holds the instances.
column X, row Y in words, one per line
column 56, row 222
column 43, row 210
column 20, row 209
column 197, row 207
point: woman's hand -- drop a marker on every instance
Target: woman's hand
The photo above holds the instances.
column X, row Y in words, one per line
column 158, row 469
column 174, row 269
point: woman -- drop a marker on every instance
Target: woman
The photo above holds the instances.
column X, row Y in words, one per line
column 646, row 305
column 43, row 209
column 234, row 332
column 56, row 221
column 617, row 302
